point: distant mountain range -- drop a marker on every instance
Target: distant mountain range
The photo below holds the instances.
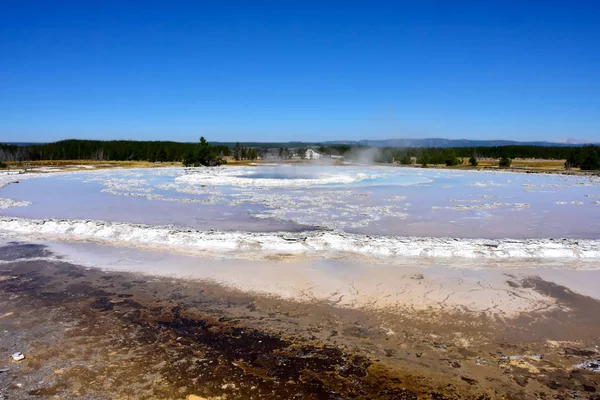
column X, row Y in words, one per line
column 438, row 142
column 21, row 144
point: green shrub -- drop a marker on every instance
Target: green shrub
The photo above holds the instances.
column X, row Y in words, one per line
column 504, row 162
column 406, row 160
column 423, row 160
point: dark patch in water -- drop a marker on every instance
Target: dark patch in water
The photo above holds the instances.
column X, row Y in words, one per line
column 15, row 250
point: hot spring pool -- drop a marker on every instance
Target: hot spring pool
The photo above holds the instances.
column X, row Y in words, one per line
column 369, row 200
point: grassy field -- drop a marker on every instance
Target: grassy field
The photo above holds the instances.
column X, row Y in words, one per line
column 546, row 165
column 518, row 165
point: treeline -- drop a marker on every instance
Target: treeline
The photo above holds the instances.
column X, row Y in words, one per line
column 438, row 155
column 539, row 152
column 113, row 150
column 244, row 153
column 587, row 157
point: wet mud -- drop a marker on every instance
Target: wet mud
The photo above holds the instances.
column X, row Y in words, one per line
column 91, row 334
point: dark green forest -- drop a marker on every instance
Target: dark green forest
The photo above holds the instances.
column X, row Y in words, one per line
column 113, row 150
column 586, row 157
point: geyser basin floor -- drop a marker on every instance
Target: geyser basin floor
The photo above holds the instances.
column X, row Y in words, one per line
column 257, row 311
column 142, row 336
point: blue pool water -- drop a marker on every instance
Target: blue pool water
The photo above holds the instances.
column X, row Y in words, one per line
column 365, row 199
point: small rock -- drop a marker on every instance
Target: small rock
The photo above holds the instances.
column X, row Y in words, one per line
column 571, row 351
column 194, row 397
column 593, row 366
column 228, row 386
column 589, row 388
column 521, row 380
column 520, row 357
column 389, row 352
column 470, row 381
column 18, row 356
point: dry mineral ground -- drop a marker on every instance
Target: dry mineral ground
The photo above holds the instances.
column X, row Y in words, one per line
column 89, row 333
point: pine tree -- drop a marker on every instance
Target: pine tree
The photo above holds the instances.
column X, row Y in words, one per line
column 237, row 152
column 504, row 162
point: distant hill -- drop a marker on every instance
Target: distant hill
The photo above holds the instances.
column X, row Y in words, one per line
column 20, row 144
column 438, row 142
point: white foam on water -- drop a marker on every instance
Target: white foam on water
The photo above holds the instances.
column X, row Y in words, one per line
column 8, row 177
column 314, row 243
column 242, row 176
column 9, row 203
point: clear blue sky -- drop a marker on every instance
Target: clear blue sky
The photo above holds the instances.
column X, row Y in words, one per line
column 299, row 70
